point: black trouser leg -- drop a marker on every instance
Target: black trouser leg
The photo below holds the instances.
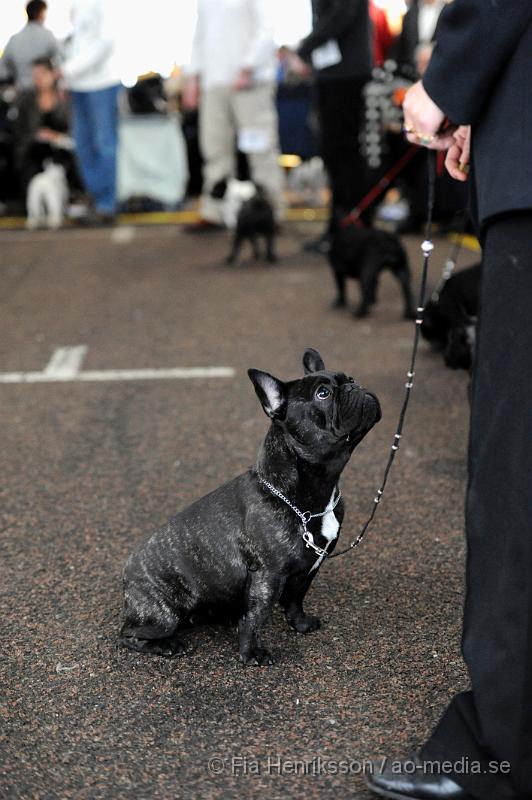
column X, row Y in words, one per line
column 493, row 722
column 340, row 107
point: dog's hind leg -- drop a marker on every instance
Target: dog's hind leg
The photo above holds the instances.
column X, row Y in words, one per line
column 270, row 250
column 235, row 249
column 33, row 207
column 151, row 640
column 403, row 276
column 401, row 270
column 150, row 624
column 367, row 290
column 54, row 203
column 339, row 278
column 254, row 239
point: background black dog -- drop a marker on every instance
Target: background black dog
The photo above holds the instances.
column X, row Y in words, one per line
column 450, row 317
column 362, row 253
column 255, row 221
column 240, row 549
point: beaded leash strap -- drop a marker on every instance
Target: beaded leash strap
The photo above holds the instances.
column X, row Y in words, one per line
column 427, row 247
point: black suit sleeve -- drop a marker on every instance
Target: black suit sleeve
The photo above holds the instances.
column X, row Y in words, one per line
column 474, row 40
column 332, row 25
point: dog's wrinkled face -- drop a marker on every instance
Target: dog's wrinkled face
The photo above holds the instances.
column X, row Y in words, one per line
column 323, row 413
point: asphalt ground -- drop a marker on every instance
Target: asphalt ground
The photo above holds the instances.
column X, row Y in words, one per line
column 89, row 468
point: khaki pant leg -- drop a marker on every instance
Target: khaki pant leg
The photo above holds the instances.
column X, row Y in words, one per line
column 254, row 109
column 217, row 143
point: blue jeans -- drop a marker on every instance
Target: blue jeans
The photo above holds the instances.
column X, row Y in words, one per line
column 95, row 123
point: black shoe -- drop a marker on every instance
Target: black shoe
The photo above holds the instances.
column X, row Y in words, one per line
column 408, row 780
column 98, row 219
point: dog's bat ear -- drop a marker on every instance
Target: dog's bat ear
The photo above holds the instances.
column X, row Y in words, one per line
column 312, row 361
column 271, row 393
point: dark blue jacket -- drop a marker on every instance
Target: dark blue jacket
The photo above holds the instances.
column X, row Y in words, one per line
column 348, row 22
column 481, row 75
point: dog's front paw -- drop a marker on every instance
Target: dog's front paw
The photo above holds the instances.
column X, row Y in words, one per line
column 257, row 657
column 305, row 623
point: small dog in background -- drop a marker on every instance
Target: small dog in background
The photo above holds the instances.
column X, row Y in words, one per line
column 47, row 197
column 233, row 193
column 255, row 221
column 363, row 253
column 248, row 211
column 450, row 318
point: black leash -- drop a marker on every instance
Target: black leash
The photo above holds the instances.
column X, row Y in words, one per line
column 427, row 247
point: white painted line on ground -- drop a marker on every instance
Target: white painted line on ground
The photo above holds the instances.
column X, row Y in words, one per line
column 66, row 362
column 179, row 373
column 123, row 234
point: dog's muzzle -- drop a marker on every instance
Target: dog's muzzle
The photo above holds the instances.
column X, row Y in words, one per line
column 358, row 411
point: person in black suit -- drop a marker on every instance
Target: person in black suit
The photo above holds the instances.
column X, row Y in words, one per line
column 479, row 76
column 339, row 48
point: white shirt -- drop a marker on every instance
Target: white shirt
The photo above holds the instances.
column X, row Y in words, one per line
column 232, row 35
column 428, row 15
column 92, row 53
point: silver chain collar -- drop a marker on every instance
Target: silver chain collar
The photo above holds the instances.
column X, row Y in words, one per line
column 304, row 516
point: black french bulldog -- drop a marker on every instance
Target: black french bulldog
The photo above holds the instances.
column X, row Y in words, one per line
column 450, row 317
column 239, row 550
column 362, row 253
column 255, row 220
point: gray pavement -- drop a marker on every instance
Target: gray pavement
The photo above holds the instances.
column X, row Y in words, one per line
column 89, row 468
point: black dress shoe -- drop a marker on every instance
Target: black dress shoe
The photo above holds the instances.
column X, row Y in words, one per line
column 409, row 780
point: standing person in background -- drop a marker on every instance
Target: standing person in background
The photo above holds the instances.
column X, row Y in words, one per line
column 479, row 78
column 413, row 47
column 92, row 74
column 340, row 51
column 34, row 42
column 232, row 77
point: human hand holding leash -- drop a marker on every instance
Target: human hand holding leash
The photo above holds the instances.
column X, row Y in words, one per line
column 425, row 123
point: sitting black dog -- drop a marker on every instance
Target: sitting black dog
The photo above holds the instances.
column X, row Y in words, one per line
column 450, row 317
column 242, row 548
column 255, row 220
column 362, row 253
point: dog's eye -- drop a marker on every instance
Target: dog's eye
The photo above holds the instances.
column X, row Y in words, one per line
column 323, row 393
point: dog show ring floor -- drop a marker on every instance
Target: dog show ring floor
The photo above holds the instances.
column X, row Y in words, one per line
column 124, row 397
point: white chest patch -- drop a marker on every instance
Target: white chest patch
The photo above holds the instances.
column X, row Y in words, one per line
column 329, row 528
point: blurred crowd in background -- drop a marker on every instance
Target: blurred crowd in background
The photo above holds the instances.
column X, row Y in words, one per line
column 314, row 121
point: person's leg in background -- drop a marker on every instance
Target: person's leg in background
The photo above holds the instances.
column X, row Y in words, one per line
column 218, row 147
column 83, row 136
column 494, row 720
column 340, row 106
column 256, row 119
column 104, row 118
column 95, row 118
